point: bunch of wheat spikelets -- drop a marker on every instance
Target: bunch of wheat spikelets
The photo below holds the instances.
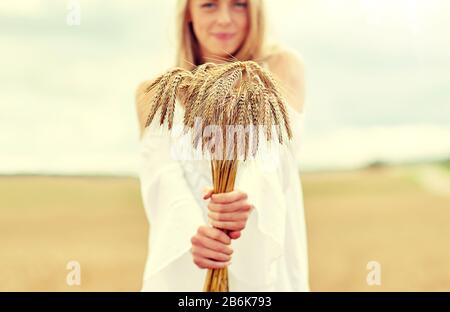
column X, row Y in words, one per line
column 232, row 94
column 238, row 93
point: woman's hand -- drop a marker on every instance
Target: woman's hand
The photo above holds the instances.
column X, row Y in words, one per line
column 228, row 211
column 210, row 248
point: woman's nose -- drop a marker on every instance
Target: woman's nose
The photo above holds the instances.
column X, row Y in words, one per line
column 224, row 16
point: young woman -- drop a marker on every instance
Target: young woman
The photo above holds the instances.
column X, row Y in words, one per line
column 265, row 213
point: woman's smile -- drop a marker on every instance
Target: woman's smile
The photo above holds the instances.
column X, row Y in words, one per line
column 222, row 36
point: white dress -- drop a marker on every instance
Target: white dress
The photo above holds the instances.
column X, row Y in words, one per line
column 270, row 255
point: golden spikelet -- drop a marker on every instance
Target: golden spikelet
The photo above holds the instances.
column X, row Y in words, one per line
column 157, row 97
column 284, row 113
column 165, row 99
column 252, row 108
column 277, row 117
column 173, row 95
column 162, row 82
column 267, row 115
column 199, row 103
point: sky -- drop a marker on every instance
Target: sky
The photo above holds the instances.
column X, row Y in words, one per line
column 377, row 85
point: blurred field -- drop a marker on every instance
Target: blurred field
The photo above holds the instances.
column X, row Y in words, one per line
column 389, row 214
column 48, row 221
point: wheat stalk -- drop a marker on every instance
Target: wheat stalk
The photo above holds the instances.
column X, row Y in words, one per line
column 237, row 93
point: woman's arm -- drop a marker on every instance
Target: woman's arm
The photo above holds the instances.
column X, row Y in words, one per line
column 171, row 208
column 177, row 223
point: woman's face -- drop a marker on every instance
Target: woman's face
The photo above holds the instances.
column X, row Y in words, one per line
column 220, row 26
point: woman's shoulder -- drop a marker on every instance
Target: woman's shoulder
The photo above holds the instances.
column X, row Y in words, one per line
column 281, row 57
column 287, row 66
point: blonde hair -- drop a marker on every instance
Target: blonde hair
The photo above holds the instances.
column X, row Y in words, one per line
column 253, row 48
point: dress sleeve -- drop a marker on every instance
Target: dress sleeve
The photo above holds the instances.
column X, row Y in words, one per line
column 260, row 249
column 261, row 245
column 173, row 212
